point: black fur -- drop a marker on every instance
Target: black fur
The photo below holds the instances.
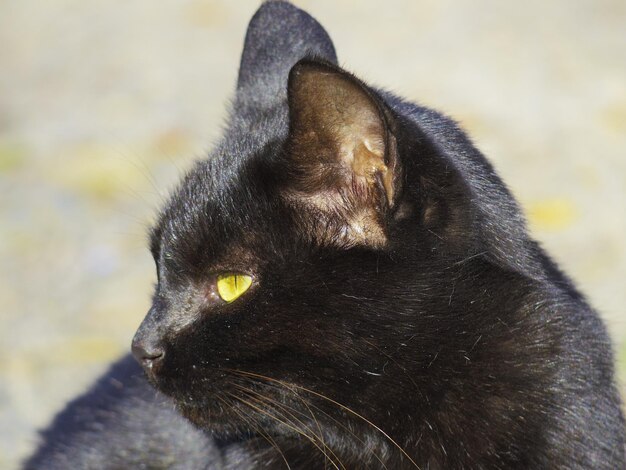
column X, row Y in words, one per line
column 431, row 333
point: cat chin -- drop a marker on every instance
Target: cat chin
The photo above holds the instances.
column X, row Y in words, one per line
column 208, row 418
column 219, row 422
column 202, row 406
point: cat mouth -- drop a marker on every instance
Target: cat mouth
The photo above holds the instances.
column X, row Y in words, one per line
column 215, row 401
column 194, row 392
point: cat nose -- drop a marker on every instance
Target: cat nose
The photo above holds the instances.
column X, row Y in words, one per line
column 148, row 352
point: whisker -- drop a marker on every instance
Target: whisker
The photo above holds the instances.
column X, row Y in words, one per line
column 290, row 426
column 286, row 408
column 340, row 405
column 339, row 423
column 317, row 424
column 257, row 427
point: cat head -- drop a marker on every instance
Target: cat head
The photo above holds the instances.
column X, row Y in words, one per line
column 314, row 253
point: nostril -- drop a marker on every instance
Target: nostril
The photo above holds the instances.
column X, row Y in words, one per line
column 147, row 354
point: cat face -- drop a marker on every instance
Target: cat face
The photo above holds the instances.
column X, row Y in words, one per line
column 313, row 254
column 281, row 263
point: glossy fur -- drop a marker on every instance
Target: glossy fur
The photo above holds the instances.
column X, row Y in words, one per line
column 400, row 315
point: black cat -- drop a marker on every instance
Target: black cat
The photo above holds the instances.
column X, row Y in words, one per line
column 346, row 283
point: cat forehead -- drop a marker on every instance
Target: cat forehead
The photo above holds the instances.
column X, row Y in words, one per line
column 224, row 200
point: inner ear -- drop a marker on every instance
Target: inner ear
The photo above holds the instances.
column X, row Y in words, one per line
column 342, row 150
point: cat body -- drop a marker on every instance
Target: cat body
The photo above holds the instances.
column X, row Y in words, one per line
column 397, row 315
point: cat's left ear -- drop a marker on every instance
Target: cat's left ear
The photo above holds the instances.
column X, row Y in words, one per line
column 343, row 168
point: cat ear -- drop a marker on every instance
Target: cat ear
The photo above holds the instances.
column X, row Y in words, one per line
column 278, row 36
column 343, row 168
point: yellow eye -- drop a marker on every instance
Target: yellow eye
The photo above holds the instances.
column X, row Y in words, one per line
column 231, row 286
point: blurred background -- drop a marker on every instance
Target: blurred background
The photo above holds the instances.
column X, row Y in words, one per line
column 103, row 105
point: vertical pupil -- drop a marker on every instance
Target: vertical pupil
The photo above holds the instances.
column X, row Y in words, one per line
column 231, row 286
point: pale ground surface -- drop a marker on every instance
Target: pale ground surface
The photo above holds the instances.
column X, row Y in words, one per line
column 104, row 103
